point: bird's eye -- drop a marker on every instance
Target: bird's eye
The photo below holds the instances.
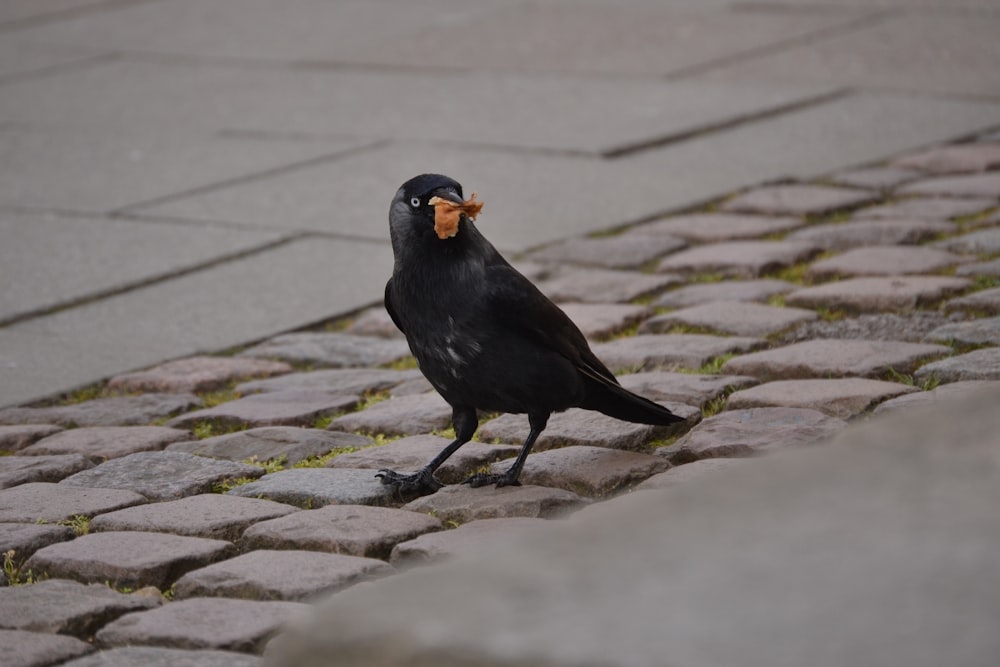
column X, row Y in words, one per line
column 415, row 202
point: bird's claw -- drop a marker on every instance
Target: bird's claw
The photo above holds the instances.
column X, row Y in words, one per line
column 420, row 483
column 486, row 478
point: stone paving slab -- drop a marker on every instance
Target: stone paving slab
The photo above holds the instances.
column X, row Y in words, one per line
column 373, row 321
column 715, row 227
column 874, row 294
column 268, row 443
column 353, row 530
column 874, row 178
column 132, row 559
column 750, row 432
column 413, row 452
column 838, row 397
column 330, row 349
column 872, row 232
column 316, row 487
column 116, row 411
column 400, row 415
column 797, row 199
column 691, row 388
column 974, row 332
column 40, row 502
column 987, row 301
column 34, row 649
column 603, row 285
column 197, row 374
column 199, row 623
column 952, row 392
column 741, row 259
column 100, row 443
column 623, row 251
column 927, row 208
column 334, row 380
column 990, row 268
column 910, row 326
column 727, row 290
column 150, row 656
column 981, row 364
column 17, row 437
column 885, row 260
column 295, row 407
column 25, row 539
column 469, row 537
column 829, row 358
column 983, row 242
column 16, row 470
column 280, row 575
column 689, row 472
column 600, row 320
column 65, row 607
column 666, row 351
column 952, row 159
column 162, row 475
column 462, row 504
column 731, row 317
column 979, row 185
column 211, row 515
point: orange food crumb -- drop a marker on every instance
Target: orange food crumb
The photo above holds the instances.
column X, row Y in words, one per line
column 448, row 213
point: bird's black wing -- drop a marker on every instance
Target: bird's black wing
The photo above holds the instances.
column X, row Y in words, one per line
column 389, row 307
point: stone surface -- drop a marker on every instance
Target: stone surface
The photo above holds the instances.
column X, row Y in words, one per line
column 400, row 415
column 798, row 200
column 211, row 515
column 130, row 559
column 373, row 322
column 333, row 380
column 953, row 159
column 315, row 487
column 665, row 351
column 952, row 392
column 927, row 207
column 25, row 539
column 151, row 656
column 594, row 472
column 889, row 231
column 875, row 178
column 117, row 411
column 694, row 471
column 981, row 364
column 691, row 388
column 713, row 227
column 16, row 470
column 330, row 349
column 216, row 623
column 990, row 268
column 65, row 607
column 16, row 438
column 741, row 259
column 980, row 185
column 830, row 358
column 738, row 433
column 295, row 407
column 48, row 502
column 839, row 397
column 910, row 326
column 196, row 374
column 293, row 443
column 987, row 300
column 280, row 575
column 162, row 475
column 743, row 290
column 413, row 452
column 623, row 251
column 983, row 242
column 107, row 442
column 33, row 649
column 731, row 317
column 353, row 530
column 884, row 261
column 434, row 547
column 463, row 504
column 877, row 293
column 600, row 320
column 603, row 285
column 974, row 332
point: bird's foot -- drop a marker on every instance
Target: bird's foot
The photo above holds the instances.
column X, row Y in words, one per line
column 420, row 483
column 486, row 478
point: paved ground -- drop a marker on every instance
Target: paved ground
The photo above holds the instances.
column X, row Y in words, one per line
column 805, row 203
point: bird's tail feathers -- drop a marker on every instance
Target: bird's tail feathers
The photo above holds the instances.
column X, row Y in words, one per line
column 616, row 401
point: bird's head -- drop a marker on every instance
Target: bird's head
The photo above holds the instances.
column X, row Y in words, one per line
column 431, row 202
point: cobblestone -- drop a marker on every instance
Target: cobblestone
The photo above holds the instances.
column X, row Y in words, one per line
column 983, row 242
column 108, row 442
column 16, row 438
column 727, row 290
column 929, row 208
column 315, row 487
column 688, row 472
column 399, row 415
column 300, row 407
column 838, row 397
column 196, row 374
column 980, row 185
column 873, row 294
column 975, row 332
column 25, row 539
column 670, row 351
column 884, row 261
column 740, row 259
column 616, row 252
column 462, row 503
column 845, row 235
column 334, row 380
column 604, row 285
column 600, row 320
column 981, row 364
column 713, row 227
column 292, row 444
column 923, row 400
column 15, row 470
column 798, row 200
column 953, row 159
column 32, row 649
column 330, row 349
column 691, row 388
column 985, row 301
column 875, row 178
column 49, row 502
column 469, row 537
column 117, row 411
column 731, row 317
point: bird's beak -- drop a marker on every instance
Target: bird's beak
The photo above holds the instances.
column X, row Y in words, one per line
column 449, row 195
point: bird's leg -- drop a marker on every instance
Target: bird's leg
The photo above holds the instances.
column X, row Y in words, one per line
column 537, row 423
column 423, row 482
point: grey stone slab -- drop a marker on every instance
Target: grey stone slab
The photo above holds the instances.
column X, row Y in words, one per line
column 741, row 259
column 280, row 575
column 692, row 388
column 825, row 358
column 953, row 159
column 797, row 199
column 623, row 251
column 34, row 649
column 990, row 268
column 727, row 290
column 25, row 10
column 200, row 623
column 151, row 656
column 373, row 322
column 838, row 397
column 462, row 504
column 197, row 374
column 751, row 432
column 17, row 437
column 874, row 178
column 414, row 452
column 844, row 235
column 984, row 242
column 353, row 530
column 600, row 320
column 290, row 443
column 25, row 539
column 49, row 502
column 16, row 470
column 987, row 300
column 670, row 351
column 714, row 227
column 115, row 411
column 981, row 364
column 434, row 547
column 316, row 487
column 910, row 326
column 593, row 472
column 65, row 607
column 295, row 407
column 868, row 294
column 731, row 317
column 336, row 380
column 952, row 392
column 885, row 260
column 984, row 331
column 929, row 208
column 694, row 472
column 330, row 349
column 400, row 415
column 603, row 286
column 106, row 442
column 978, row 185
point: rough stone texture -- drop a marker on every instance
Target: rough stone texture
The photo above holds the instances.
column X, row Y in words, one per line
column 584, row 427
column 65, row 607
column 25, row 539
column 353, row 530
column 600, row 320
column 107, row 442
column 909, row 326
column 400, row 415
column 732, row 317
column 32, row 649
column 875, row 178
column 45, row 501
column 117, row 411
column 798, row 200
column 693, row 471
column 981, row 364
column 953, row 159
column 691, row 388
column 594, row 472
column 974, row 332
column 952, row 393
column 373, row 322
column 845, row 235
column 216, row 623
column 984, row 242
column 16, row 438
column 987, row 301
column 744, row 290
column 877, row 294
column 928, row 208
column 434, row 547
column 829, row 358
column 839, row 397
column 128, row 559
column 299, row 407
column 990, row 268
column 413, row 452
column 211, row 515
column 293, row 443
column 162, row 475
column 151, row 656
column 659, row 351
column 604, row 285
column 980, row 185
column 280, row 575
column 884, row 261
column 196, row 374
column 713, row 227
column 740, row 259
column 315, row 487
column 463, row 504
column 16, row 470
column 330, row 349
column 623, row 251
column 737, row 433
column 333, row 380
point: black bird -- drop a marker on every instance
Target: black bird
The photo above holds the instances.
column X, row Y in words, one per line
column 484, row 336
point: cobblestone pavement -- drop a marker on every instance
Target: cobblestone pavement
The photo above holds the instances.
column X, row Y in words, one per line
column 192, row 508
